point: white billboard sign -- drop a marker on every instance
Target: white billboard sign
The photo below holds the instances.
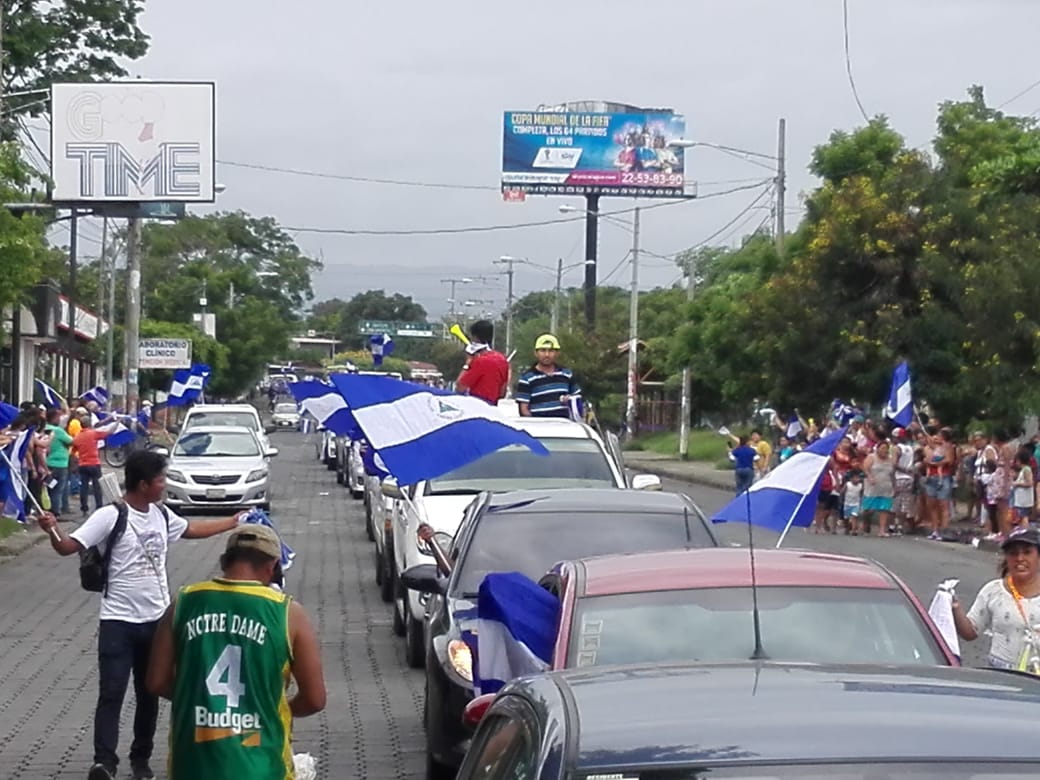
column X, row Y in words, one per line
column 133, row 141
column 164, row 353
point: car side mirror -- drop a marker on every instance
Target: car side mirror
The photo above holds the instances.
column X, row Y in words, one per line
column 270, row 452
column 646, row 482
column 424, row 578
column 391, row 489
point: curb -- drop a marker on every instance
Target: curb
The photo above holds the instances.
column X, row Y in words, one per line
column 17, row 543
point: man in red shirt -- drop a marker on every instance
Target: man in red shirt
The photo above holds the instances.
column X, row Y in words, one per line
column 486, row 373
column 86, row 444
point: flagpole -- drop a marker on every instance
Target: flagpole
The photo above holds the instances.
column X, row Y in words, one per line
column 790, row 521
column 16, row 475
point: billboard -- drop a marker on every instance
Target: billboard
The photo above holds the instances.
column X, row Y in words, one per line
column 133, row 141
column 571, row 153
column 164, row 353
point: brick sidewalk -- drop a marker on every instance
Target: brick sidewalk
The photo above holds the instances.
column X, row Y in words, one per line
column 371, row 727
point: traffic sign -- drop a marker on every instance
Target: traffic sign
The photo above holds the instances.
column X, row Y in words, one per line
column 424, row 330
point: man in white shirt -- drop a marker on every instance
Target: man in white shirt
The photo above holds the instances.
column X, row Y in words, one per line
column 135, row 598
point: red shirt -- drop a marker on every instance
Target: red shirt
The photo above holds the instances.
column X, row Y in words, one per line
column 487, row 376
column 86, row 444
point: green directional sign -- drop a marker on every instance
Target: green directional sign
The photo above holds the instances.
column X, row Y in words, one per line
column 421, row 330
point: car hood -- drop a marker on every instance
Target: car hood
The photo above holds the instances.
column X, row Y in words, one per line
column 193, row 465
column 445, row 513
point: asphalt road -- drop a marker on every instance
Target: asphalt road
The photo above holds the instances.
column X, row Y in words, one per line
column 920, row 563
column 371, row 727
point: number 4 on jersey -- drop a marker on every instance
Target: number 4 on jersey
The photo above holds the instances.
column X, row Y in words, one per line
column 225, row 678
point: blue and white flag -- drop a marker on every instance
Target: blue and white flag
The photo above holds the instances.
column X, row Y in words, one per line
column 381, row 346
column 260, row 517
column 324, row 402
column 900, row 406
column 119, row 433
column 184, row 388
column 12, row 485
column 51, row 397
column 421, row 432
column 843, row 413
column 794, row 427
column 787, row 495
column 7, row 413
column 374, row 465
column 516, row 630
column 576, row 408
column 98, row 395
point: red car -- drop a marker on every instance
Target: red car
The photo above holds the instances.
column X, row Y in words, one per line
column 695, row 605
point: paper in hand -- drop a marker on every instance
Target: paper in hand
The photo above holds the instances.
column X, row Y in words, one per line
column 941, row 613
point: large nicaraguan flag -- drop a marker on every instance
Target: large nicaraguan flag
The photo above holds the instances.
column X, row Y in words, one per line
column 51, row 397
column 421, row 432
column 325, row 403
column 787, row 495
column 900, row 406
column 13, row 484
column 515, row 630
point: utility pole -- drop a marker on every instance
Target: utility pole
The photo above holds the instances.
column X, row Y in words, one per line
column 509, row 308
column 133, row 312
column 633, row 334
column 71, row 294
column 556, row 299
column 591, row 254
column 687, row 379
column 102, row 289
column 111, row 345
column 781, row 183
column 231, row 295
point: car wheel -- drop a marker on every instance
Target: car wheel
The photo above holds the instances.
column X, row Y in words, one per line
column 435, row 770
column 266, row 506
column 414, row 646
column 386, row 590
column 340, row 479
column 368, row 529
column 330, row 464
column 399, row 626
column 379, row 568
column 357, row 494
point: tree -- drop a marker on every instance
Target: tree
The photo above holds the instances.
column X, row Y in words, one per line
column 23, row 249
column 255, row 279
column 66, row 40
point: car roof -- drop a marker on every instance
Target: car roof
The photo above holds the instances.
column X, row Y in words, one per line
column 223, row 408
column 587, row 500
column 764, row 712
column 553, row 428
column 196, row 429
column 728, row 568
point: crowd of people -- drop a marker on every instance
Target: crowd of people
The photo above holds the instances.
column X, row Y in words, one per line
column 896, row 480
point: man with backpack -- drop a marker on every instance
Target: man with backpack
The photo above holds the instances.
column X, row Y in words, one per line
column 123, row 549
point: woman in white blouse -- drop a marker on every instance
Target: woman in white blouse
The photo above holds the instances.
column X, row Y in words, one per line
column 1008, row 608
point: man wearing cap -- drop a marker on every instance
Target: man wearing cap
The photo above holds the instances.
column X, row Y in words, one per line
column 486, row 372
column 134, row 599
column 223, row 654
column 546, row 389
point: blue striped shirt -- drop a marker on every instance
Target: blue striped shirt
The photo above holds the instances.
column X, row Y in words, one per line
column 541, row 391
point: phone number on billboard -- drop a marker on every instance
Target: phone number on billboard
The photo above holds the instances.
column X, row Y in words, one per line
column 573, row 189
column 644, row 178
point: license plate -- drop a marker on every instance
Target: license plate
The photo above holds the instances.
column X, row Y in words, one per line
column 213, row 493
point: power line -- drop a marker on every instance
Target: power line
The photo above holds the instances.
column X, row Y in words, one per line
column 1019, row 94
column 848, row 60
column 360, row 179
column 618, row 267
column 515, row 226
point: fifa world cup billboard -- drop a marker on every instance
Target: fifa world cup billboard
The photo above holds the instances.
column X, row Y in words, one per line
column 556, row 153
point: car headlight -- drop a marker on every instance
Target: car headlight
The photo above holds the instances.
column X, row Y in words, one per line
column 255, row 475
column 461, row 659
column 175, row 476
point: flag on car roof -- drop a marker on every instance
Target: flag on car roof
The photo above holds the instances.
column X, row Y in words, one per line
column 515, row 630
column 787, row 495
column 421, row 432
column 326, row 405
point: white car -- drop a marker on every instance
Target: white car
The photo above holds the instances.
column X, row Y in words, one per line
column 244, row 415
column 578, row 458
column 286, row 415
column 219, row 467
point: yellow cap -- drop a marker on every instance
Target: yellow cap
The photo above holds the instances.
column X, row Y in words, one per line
column 546, row 341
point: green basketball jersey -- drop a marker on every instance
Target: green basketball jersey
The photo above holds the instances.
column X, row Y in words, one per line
column 230, row 715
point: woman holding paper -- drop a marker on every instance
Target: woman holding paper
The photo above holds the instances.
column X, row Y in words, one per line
column 1009, row 607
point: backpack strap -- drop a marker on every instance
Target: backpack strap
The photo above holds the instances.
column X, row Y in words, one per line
column 166, row 515
column 114, row 535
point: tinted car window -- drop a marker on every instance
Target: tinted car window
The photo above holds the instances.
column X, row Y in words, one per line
column 818, row 625
column 572, row 463
column 923, row 770
column 531, row 542
column 217, row 444
column 503, row 751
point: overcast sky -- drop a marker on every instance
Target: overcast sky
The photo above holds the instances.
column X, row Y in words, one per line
column 414, row 90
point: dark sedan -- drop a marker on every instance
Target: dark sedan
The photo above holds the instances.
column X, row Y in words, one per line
column 761, row 721
column 527, row 532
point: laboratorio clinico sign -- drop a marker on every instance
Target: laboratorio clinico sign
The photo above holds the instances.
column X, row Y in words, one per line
column 164, row 353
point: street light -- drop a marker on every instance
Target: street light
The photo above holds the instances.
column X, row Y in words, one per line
column 508, row 260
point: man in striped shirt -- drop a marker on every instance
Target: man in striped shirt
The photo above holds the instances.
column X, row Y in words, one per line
column 545, row 389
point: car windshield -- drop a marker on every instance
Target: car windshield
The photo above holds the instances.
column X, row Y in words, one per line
column 572, row 463
column 531, row 542
column 814, row 625
column 285, row 409
column 237, row 419
column 923, row 770
column 217, row 444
